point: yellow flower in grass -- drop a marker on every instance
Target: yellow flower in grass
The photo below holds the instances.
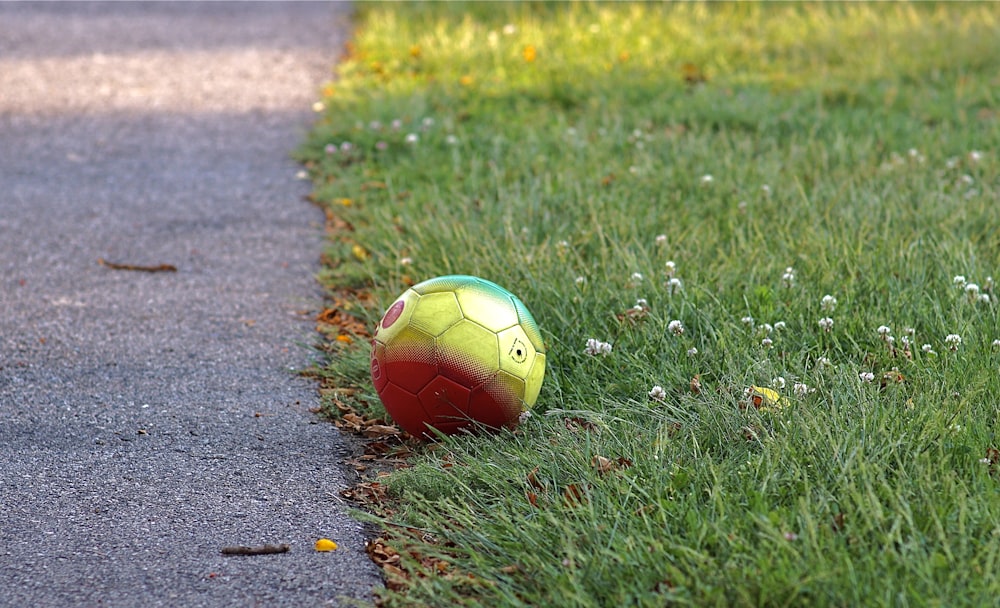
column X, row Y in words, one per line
column 765, row 398
column 529, row 53
column 466, row 80
column 359, row 252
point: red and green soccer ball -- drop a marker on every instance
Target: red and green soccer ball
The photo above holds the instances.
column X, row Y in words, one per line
column 457, row 352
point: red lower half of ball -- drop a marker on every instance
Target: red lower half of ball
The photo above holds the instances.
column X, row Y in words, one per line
column 453, row 399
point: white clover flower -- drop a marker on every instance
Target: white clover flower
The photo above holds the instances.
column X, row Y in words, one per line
column 596, row 347
column 951, row 163
column 996, row 343
column 823, row 361
column 632, row 168
column 412, row 138
column 451, row 140
column 641, row 303
column 397, row 124
column 927, row 349
column 778, row 382
column 580, row 280
column 959, row 281
column 510, row 29
column 661, row 239
column 955, row 428
column 707, row 179
column 800, row 389
column 692, row 351
column 779, row 326
column 884, row 331
column 674, row 284
column 966, row 179
column 405, row 261
column 428, row 122
column 523, row 416
column 657, row 393
column 866, row 376
column 637, row 276
column 826, row 323
column 346, row 146
column 747, row 320
column 828, row 303
column 767, row 342
column 318, row 106
column 788, row 278
column 742, row 206
column 972, row 290
column 953, row 340
column 675, row 327
column 975, row 156
column 909, row 331
column 766, row 190
column 988, row 284
column 670, row 266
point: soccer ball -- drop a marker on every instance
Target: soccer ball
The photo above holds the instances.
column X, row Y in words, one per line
column 457, row 352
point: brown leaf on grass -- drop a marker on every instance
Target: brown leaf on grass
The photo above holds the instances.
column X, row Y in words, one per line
column 332, row 320
column 602, row 464
column 608, row 179
column 576, row 423
column 633, row 315
column 533, row 479
column 368, row 494
column 573, row 494
column 380, row 430
column 606, row 465
column 532, row 498
column 837, row 522
column 696, row 384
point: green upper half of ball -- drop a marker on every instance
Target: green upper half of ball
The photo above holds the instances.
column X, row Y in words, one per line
column 446, row 300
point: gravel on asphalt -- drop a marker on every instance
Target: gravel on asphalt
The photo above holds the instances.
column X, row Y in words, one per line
column 149, row 419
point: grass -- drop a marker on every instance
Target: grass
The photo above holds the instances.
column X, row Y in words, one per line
column 568, row 152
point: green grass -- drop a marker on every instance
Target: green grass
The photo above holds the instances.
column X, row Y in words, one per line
column 855, row 143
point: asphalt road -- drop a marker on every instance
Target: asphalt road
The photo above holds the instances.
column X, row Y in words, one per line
column 149, row 419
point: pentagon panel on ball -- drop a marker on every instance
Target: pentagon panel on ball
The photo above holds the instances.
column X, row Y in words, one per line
column 457, row 353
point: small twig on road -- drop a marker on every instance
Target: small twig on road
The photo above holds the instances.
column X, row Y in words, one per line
column 261, row 550
column 116, row 266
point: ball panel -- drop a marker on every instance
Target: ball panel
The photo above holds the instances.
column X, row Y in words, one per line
column 397, row 317
column 379, row 375
column 485, row 306
column 516, row 352
column 405, row 409
column 436, row 312
column 533, row 381
column 409, row 360
column 445, row 401
column 468, row 353
column 497, row 403
column 528, row 324
column 449, row 283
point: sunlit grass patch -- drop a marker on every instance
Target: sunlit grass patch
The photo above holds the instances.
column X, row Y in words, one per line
column 760, row 241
